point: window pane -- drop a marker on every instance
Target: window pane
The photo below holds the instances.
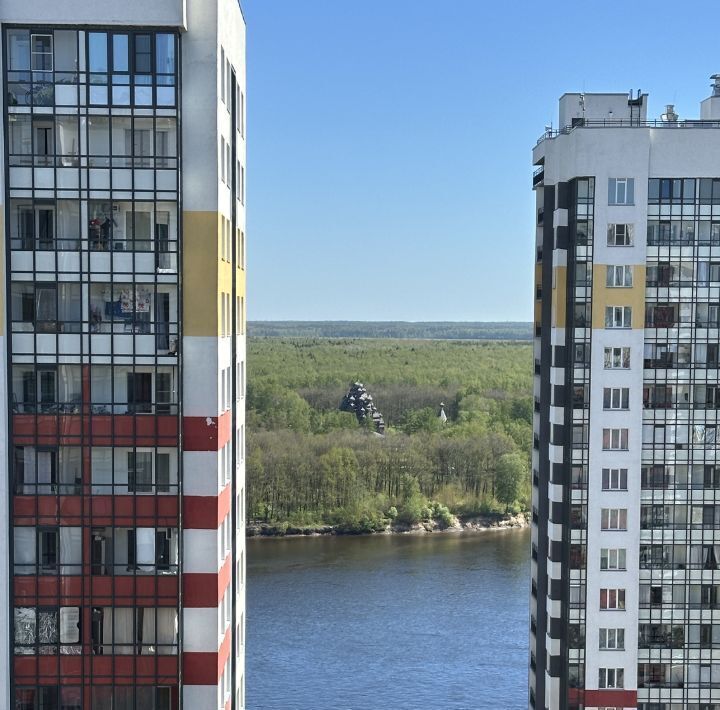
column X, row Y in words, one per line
column 65, row 50
column 18, row 50
column 120, row 53
column 142, row 54
column 165, row 53
column 97, row 47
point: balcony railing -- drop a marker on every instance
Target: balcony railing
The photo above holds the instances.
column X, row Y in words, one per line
column 624, row 123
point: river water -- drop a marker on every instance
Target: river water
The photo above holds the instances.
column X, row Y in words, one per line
column 415, row 622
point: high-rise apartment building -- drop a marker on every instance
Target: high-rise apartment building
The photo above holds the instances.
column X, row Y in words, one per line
column 625, row 600
column 122, row 371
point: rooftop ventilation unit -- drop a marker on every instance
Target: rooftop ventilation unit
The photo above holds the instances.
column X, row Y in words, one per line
column 669, row 116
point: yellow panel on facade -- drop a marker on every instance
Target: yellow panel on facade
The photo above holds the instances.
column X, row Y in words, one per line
column 603, row 295
column 240, row 288
column 559, row 297
column 201, row 312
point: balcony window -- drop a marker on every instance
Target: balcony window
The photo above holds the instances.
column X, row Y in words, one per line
column 661, row 636
column 46, row 389
column 138, row 696
column 47, row 471
column 578, row 517
column 117, row 471
column 49, row 697
column 44, row 224
column 39, row 629
column 662, row 516
column 43, row 141
column 578, row 477
column 663, row 557
column 576, row 675
column 578, row 556
column 47, row 550
column 136, row 308
column 576, row 636
column 667, row 315
column 709, row 232
column 582, row 317
column 46, row 307
column 41, row 53
column 660, row 675
column 707, row 355
column 18, row 50
column 134, row 631
column 129, row 551
column 707, row 315
column 98, row 130
column 577, row 596
column 20, row 139
column 705, row 557
column 98, row 66
column 705, row 476
column 138, row 226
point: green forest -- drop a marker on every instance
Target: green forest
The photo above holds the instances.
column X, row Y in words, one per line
column 438, row 330
column 311, row 465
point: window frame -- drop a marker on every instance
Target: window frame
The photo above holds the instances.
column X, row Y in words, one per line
column 626, row 238
column 614, row 475
column 618, row 317
column 616, row 595
column 616, row 398
column 618, row 636
column 614, row 559
column 613, row 519
column 615, row 439
column 619, row 276
column 615, row 185
column 614, row 354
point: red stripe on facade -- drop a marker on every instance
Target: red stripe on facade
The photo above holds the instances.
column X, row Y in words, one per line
column 206, row 591
column 97, row 430
column 69, row 669
column 118, row 511
column 206, row 512
column 604, row 698
column 206, row 433
column 206, row 668
column 74, row 590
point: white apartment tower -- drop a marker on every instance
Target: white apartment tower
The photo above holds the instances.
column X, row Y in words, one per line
column 625, row 599
column 122, row 355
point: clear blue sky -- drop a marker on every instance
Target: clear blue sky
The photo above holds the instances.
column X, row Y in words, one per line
column 389, row 154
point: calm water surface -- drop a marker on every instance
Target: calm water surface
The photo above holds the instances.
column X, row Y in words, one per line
column 404, row 623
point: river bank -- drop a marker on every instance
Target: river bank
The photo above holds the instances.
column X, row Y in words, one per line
column 478, row 523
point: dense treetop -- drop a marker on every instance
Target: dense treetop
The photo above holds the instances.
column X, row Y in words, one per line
column 309, row 463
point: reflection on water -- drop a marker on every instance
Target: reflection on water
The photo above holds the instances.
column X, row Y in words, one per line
column 398, row 622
